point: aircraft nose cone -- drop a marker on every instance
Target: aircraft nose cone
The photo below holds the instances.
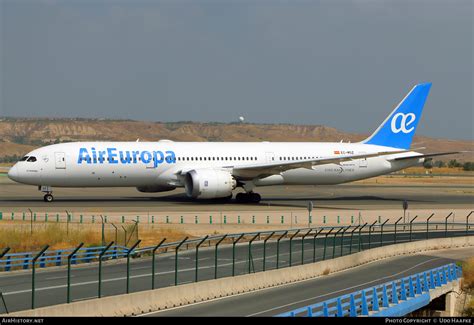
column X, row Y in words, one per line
column 13, row 173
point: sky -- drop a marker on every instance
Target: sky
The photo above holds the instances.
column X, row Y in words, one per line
column 340, row 63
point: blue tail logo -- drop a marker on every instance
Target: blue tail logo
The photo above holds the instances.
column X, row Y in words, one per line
column 399, row 127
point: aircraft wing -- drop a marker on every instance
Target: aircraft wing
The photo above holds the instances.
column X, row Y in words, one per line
column 252, row 171
column 429, row 155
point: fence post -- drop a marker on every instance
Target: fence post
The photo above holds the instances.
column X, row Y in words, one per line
column 314, row 244
column 291, row 244
column 342, row 238
column 129, row 252
column 278, row 249
column 325, row 239
column 428, row 225
column 250, row 251
column 103, row 230
column 197, row 257
column 384, row 296
column 2, row 254
column 215, row 255
column 124, row 236
column 4, row 303
column 370, row 233
column 352, row 235
column 365, row 310
column 334, row 242
column 33, row 273
column 99, row 293
column 411, row 222
column 302, row 245
column 360, row 230
column 381, row 231
column 153, row 262
column 233, row 253
column 69, row 271
column 446, row 225
column 352, row 307
column 395, row 232
column 265, row 249
column 176, row 261
column 467, row 222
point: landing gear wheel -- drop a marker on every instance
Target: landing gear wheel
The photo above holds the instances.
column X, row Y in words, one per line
column 48, row 197
column 255, row 197
column 240, row 197
column 248, row 197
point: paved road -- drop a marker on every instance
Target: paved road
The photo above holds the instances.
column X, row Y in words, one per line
column 272, row 301
column 51, row 283
column 345, row 196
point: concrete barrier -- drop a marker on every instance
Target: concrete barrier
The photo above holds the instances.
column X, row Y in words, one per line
column 153, row 300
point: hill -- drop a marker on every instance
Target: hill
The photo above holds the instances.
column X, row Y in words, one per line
column 20, row 135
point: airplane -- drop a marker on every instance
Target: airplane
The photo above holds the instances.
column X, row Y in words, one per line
column 213, row 170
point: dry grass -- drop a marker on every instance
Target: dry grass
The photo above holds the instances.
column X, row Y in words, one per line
column 152, row 235
column 468, row 273
column 19, row 237
column 326, row 271
column 468, row 283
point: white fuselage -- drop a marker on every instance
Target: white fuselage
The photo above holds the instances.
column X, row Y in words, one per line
column 158, row 164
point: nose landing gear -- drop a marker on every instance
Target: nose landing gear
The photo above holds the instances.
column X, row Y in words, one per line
column 48, row 197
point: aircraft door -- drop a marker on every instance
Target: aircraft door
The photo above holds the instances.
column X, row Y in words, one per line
column 363, row 163
column 60, row 160
column 270, row 156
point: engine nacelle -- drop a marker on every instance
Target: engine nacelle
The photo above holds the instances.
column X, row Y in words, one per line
column 209, row 184
column 155, row 188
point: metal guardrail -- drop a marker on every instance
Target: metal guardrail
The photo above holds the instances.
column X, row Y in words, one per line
column 384, row 300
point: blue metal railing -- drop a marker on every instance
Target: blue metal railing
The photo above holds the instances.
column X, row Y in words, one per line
column 395, row 298
column 59, row 257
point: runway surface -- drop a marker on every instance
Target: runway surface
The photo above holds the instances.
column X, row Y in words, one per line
column 345, row 196
column 273, row 301
column 51, row 283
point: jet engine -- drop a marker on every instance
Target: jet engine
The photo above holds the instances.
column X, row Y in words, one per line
column 209, row 184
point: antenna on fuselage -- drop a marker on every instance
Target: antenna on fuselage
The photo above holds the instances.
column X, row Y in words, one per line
column 138, row 140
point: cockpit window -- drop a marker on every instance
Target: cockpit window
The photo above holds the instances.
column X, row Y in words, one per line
column 31, row 159
column 24, row 158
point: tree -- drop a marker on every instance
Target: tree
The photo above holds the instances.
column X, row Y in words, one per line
column 454, row 163
column 468, row 166
column 439, row 163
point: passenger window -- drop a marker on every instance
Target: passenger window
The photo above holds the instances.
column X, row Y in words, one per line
column 31, row 159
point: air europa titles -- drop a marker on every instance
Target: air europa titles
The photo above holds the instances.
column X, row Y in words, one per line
column 115, row 156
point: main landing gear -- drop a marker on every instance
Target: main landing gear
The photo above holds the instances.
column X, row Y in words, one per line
column 248, row 197
column 48, row 197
